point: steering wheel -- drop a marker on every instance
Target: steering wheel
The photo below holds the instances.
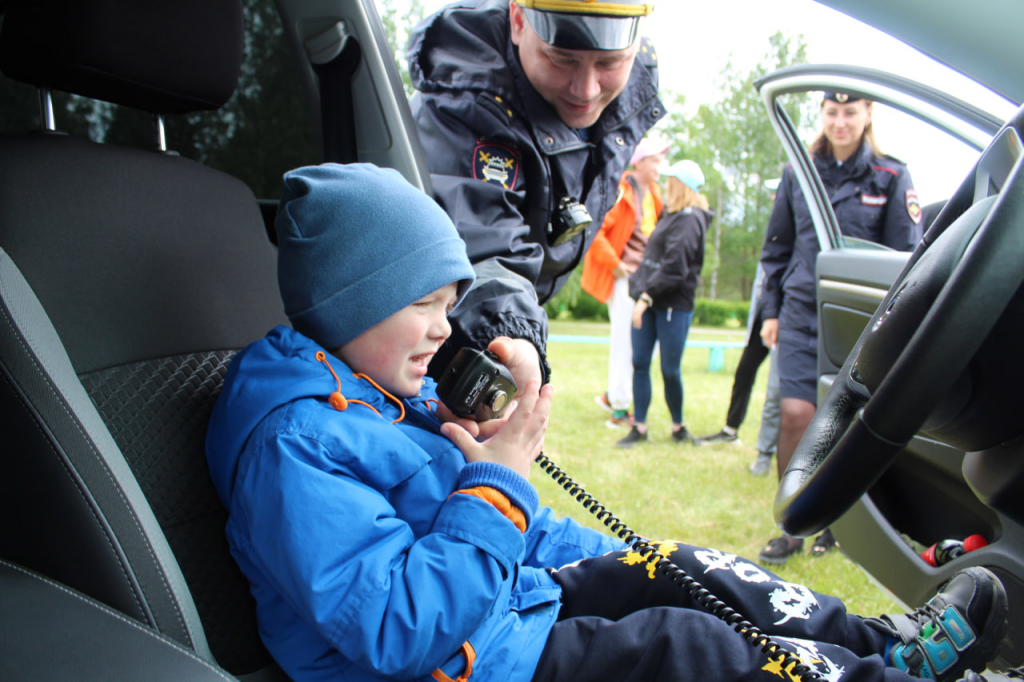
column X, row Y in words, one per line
column 909, row 368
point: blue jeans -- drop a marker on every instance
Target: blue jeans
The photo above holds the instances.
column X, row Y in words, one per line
column 668, row 328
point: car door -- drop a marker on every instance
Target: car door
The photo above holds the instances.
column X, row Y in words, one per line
column 923, row 498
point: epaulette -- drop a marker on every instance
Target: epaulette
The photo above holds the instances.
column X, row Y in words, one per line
column 893, row 158
column 497, row 103
column 646, row 54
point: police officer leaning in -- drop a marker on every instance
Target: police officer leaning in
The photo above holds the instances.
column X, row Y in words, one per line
column 873, row 198
column 528, row 111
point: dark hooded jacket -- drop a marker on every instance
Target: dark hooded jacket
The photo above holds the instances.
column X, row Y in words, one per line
column 670, row 271
column 501, row 159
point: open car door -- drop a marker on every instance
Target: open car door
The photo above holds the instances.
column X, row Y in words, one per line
column 888, row 499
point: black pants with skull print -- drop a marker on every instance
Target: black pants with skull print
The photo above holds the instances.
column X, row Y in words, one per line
column 622, row 619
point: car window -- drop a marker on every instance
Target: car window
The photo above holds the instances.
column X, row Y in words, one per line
column 262, row 132
column 937, row 160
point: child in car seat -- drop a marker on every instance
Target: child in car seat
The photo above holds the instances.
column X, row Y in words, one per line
column 384, row 540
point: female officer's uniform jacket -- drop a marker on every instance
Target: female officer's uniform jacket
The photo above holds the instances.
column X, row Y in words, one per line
column 501, row 159
column 363, row 563
column 873, row 199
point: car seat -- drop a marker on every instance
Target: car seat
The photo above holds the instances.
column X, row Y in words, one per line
column 128, row 279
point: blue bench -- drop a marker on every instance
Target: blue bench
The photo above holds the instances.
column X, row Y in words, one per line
column 716, row 355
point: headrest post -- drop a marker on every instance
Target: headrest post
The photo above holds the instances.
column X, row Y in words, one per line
column 46, row 109
column 158, row 129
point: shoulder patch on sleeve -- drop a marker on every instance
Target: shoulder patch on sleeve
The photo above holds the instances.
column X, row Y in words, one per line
column 913, row 207
column 494, row 162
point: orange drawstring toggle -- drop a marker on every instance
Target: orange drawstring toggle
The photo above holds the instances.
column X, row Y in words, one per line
column 336, row 399
column 340, row 402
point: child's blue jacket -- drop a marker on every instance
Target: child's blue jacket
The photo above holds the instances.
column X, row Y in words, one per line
column 363, row 563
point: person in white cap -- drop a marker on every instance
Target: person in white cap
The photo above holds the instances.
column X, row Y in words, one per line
column 529, row 112
column 615, row 254
column 664, row 287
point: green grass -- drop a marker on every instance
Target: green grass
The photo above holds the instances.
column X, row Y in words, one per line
column 663, row 490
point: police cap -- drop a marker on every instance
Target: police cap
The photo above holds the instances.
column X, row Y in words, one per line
column 842, row 97
column 586, row 24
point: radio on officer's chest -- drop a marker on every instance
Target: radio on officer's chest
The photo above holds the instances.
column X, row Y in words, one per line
column 571, row 217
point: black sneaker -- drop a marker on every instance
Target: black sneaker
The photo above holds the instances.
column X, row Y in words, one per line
column 721, row 437
column 959, row 630
column 779, row 549
column 684, row 436
column 632, row 438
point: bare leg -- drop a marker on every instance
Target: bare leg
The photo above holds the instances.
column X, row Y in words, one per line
column 796, row 417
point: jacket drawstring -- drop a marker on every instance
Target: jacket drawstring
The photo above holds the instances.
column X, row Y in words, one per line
column 341, row 403
column 470, row 654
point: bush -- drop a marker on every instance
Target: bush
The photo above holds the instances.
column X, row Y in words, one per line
column 714, row 313
column 572, row 303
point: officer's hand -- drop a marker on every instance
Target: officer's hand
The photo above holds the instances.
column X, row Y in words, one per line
column 770, row 332
column 521, row 358
column 519, row 439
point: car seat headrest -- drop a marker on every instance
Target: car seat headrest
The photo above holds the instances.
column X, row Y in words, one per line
column 161, row 56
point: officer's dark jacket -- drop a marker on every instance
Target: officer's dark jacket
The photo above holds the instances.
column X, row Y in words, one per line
column 873, row 199
column 501, row 158
column 674, row 256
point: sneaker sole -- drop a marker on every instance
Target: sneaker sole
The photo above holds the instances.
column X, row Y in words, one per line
column 996, row 619
column 602, row 405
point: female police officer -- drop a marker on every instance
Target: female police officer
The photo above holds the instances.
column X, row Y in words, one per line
column 873, row 199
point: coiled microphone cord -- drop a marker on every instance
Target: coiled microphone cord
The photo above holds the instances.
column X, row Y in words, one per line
column 754, row 636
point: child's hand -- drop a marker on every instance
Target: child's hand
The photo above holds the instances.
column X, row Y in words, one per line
column 446, row 415
column 518, row 440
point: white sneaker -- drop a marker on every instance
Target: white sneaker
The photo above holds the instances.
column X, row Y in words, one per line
column 762, row 465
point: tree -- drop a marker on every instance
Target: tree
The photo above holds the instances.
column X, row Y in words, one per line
column 734, row 143
column 398, row 33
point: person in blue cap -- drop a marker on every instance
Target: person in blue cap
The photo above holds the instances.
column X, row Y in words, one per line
column 873, row 199
column 664, row 288
column 529, row 112
column 384, row 543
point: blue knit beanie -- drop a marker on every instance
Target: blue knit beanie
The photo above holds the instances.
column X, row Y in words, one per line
column 356, row 244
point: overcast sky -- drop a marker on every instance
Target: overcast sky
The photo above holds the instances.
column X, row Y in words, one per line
column 696, row 39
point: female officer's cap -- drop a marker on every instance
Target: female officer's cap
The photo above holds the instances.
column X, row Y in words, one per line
column 841, row 97
column 586, row 24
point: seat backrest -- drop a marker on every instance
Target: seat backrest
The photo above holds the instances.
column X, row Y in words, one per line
column 128, row 278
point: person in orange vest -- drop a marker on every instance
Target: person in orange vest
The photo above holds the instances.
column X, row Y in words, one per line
column 615, row 254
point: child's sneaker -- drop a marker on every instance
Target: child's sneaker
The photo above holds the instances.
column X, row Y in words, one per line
column 619, row 419
column 603, row 402
column 957, row 631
